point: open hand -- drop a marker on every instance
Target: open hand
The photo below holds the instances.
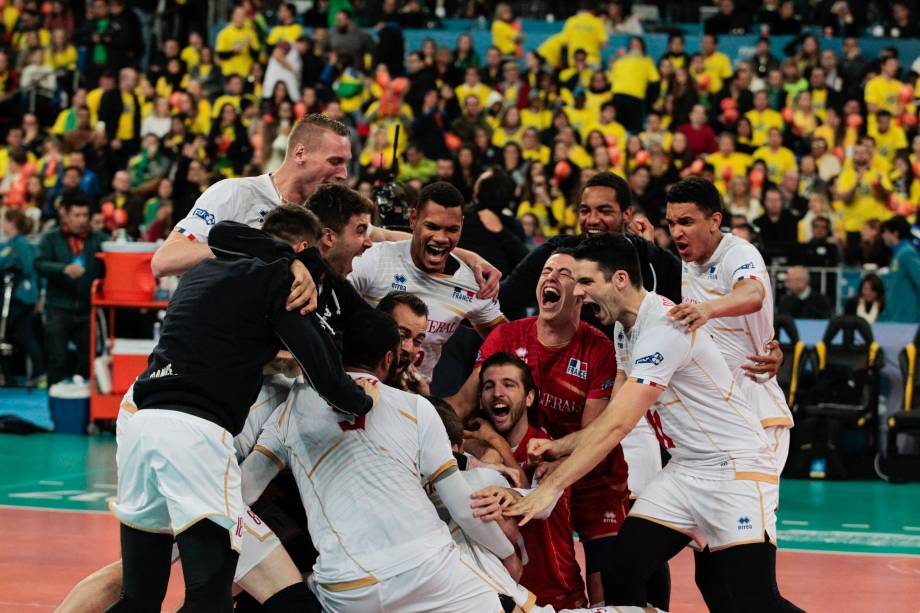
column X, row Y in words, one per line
column 692, row 316
column 303, row 291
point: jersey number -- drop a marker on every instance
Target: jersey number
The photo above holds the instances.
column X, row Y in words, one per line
column 655, row 420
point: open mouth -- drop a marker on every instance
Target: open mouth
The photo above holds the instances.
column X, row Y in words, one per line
column 551, row 295
column 594, row 231
column 435, row 252
column 682, row 246
column 501, row 410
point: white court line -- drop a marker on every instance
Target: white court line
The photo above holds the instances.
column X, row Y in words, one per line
column 32, row 508
column 861, row 526
column 912, row 528
column 792, row 522
column 51, row 483
column 843, row 538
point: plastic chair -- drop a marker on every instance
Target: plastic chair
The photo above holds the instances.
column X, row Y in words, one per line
column 843, row 404
column 793, row 351
column 894, row 466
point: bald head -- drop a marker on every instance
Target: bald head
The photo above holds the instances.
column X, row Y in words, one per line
column 797, row 280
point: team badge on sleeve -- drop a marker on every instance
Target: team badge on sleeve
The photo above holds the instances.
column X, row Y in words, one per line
column 654, row 358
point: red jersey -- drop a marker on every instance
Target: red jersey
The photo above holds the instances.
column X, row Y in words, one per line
column 552, row 572
column 567, row 375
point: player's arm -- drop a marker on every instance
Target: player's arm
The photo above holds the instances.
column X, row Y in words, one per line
column 746, row 297
column 318, row 357
column 456, row 493
column 587, row 447
column 258, row 470
column 485, row 433
column 177, row 254
column 465, row 400
column 485, row 329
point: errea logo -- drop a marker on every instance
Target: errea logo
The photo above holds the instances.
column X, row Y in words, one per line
column 744, row 523
column 399, row 282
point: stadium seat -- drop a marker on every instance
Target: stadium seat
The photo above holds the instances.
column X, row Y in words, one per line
column 838, row 418
column 794, row 354
column 894, row 465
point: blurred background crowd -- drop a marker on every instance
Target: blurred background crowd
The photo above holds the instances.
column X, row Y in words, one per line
column 115, row 116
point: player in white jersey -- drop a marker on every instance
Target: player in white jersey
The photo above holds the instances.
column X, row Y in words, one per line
column 426, row 267
column 382, row 545
column 721, row 483
column 727, row 292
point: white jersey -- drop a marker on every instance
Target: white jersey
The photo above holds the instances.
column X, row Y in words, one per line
column 450, row 298
column 274, row 391
column 735, row 260
column 368, row 514
column 708, row 428
column 247, row 201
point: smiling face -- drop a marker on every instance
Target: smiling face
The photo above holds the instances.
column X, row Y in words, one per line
column 435, row 233
column 556, row 287
column 600, row 212
column 411, row 335
column 692, row 231
column 325, row 163
column 503, row 398
column 604, row 296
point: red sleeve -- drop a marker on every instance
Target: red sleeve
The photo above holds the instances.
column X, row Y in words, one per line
column 494, row 343
column 604, row 374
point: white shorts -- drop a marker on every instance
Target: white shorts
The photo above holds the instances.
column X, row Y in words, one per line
column 643, row 457
column 258, row 542
column 711, row 512
column 175, row 469
column 444, row 583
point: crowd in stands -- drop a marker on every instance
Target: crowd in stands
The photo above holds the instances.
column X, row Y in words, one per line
column 122, row 114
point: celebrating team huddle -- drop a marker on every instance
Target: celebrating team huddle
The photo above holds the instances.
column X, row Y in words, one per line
column 278, row 443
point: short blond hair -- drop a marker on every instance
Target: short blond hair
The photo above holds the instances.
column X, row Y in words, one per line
column 308, row 130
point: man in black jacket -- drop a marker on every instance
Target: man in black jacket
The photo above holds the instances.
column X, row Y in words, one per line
column 605, row 205
column 120, row 111
column 177, row 464
column 487, row 230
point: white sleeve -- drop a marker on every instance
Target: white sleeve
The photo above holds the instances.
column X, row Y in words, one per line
column 455, row 493
column 485, row 312
column 743, row 262
column 220, row 202
column 660, row 350
column 260, row 467
column 364, row 270
column 436, row 459
column 548, row 510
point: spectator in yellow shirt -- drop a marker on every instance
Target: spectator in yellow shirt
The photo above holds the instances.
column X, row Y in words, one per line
column 863, row 193
column 579, row 74
column 191, row 55
column 510, row 129
column 506, row 32
column 631, row 76
column 882, row 92
column 726, row 162
column 287, row 29
column 585, row 30
column 889, row 137
column 237, row 45
column 777, row 158
column 762, row 118
column 716, row 63
column 473, row 86
column 531, row 147
column 613, row 131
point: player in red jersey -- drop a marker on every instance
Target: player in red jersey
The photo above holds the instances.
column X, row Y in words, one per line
column 574, row 366
column 507, row 394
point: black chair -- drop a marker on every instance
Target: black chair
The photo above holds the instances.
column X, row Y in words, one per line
column 838, row 418
column 893, row 465
column 793, row 356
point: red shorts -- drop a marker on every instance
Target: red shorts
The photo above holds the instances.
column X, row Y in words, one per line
column 599, row 508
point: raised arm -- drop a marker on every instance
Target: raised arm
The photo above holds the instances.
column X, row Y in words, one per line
column 178, row 254
column 585, row 448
